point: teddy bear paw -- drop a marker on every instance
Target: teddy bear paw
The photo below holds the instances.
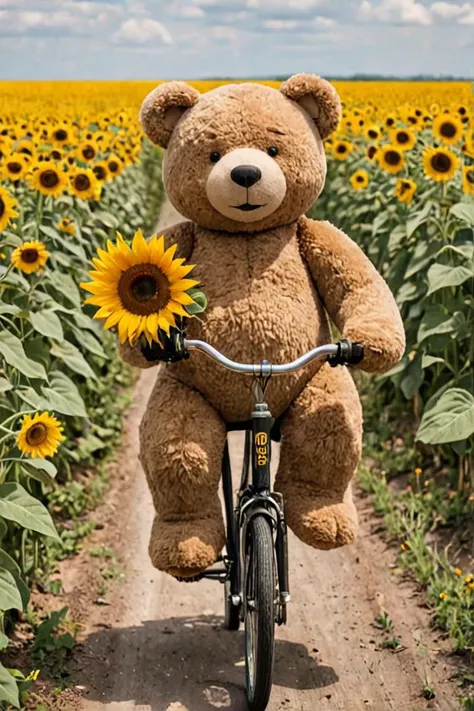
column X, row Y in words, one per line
column 322, row 525
column 184, row 549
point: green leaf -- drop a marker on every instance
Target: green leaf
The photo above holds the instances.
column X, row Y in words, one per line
column 10, row 598
column 428, row 360
column 422, row 255
column 10, row 239
column 106, row 218
column 48, row 324
column 463, row 211
column 9, row 564
column 199, row 305
column 436, row 322
column 73, row 358
column 8, row 688
column 441, row 276
column 31, row 397
column 11, row 349
column 450, row 420
column 90, row 343
column 413, row 379
column 49, row 232
column 465, row 251
column 63, row 396
column 11, row 309
column 65, row 284
column 22, row 508
column 41, row 465
column 5, row 385
column 418, row 218
column 4, row 642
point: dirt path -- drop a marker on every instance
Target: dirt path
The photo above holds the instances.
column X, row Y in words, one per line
column 159, row 644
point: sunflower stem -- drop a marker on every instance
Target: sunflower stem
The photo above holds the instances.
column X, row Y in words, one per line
column 39, row 214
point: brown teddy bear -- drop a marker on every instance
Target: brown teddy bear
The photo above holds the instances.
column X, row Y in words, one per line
column 243, row 164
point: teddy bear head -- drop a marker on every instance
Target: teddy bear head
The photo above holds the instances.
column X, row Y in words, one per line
column 243, row 157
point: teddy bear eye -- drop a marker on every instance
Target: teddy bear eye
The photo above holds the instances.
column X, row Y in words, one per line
column 215, row 156
column 272, row 151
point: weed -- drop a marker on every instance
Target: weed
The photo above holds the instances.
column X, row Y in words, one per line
column 384, row 622
column 393, row 643
column 55, row 637
column 428, row 692
column 101, row 552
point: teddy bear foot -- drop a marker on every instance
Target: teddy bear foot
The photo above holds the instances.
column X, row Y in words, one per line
column 184, row 549
column 320, row 524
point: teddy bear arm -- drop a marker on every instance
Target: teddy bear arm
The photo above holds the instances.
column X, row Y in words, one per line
column 356, row 297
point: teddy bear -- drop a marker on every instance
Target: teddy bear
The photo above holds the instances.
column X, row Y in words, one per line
column 243, row 164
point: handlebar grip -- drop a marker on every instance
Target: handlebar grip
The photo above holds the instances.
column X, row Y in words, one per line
column 348, row 353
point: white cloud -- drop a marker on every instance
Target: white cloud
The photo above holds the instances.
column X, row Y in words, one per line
column 140, row 31
column 18, row 22
column 280, row 25
column 320, row 21
column 192, row 11
column 392, row 11
column 464, row 13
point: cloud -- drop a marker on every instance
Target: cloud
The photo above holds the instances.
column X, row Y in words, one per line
column 280, row 24
column 192, row 12
column 407, row 12
column 464, row 13
column 140, row 31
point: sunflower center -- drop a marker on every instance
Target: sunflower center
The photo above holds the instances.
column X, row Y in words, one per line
column 49, row 179
column 29, row 255
column 403, row 137
column 441, row 162
column 82, row 182
column 447, row 129
column 61, row 135
column 371, row 151
column 392, row 157
column 359, row 178
column 390, row 121
column 143, row 289
column 469, row 178
column 462, row 110
column 99, row 172
column 372, row 133
column 14, row 167
column 404, row 187
column 341, row 149
column 2, row 207
column 56, row 155
column 113, row 166
column 37, row 434
column 88, row 152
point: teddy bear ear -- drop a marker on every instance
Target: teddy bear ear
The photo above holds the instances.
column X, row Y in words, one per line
column 318, row 98
column 163, row 108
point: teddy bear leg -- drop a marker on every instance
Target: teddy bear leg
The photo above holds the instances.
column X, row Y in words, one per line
column 181, row 445
column 320, row 451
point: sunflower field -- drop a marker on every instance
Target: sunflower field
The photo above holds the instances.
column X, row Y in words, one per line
column 73, row 173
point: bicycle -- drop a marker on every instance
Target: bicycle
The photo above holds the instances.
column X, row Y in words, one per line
column 255, row 572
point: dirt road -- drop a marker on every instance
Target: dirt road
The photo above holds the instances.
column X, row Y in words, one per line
column 159, row 644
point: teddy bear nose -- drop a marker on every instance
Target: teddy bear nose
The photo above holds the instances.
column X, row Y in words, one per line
column 246, row 175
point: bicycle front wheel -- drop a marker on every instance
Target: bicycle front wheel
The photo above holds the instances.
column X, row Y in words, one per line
column 259, row 612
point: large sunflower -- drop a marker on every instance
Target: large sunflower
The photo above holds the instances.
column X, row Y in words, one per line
column 30, row 256
column 468, row 179
column 391, row 158
column 49, row 179
column 373, row 132
column 87, row 152
column 402, row 138
column 359, row 179
column 84, row 184
column 342, row 149
column 440, row 164
column 139, row 289
column 405, row 190
column 101, row 171
column 61, row 134
column 448, row 129
column 15, row 166
column 40, row 436
column 114, row 166
column 7, row 208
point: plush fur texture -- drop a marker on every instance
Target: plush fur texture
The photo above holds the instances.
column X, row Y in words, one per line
column 273, row 284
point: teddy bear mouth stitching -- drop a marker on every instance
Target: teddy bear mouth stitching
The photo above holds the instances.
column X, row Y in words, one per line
column 247, row 207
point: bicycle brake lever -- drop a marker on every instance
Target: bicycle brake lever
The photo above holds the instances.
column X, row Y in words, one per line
column 348, row 353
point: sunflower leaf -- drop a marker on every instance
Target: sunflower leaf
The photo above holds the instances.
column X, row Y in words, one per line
column 11, row 348
column 8, row 688
column 25, row 510
column 419, row 218
column 63, row 396
column 463, row 211
column 10, row 598
column 441, row 276
column 65, row 285
column 106, row 218
column 49, row 231
column 73, row 358
column 5, row 385
column 90, row 343
column 41, row 465
column 450, row 420
column 47, row 323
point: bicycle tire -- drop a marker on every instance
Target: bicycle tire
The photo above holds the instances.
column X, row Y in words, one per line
column 260, row 614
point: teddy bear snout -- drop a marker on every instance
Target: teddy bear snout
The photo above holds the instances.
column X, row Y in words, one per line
column 246, row 175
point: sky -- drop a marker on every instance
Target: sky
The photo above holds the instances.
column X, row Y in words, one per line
column 192, row 39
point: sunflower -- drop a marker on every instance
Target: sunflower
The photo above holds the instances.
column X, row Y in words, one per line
column 390, row 121
column 84, row 184
column 468, row 146
column 403, row 138
column 48, row 179
column 139, row 289
column 405, row 190
column 61, row 134
column 67, row 226
column 87, row 152
column 30, row 257
column 467, row 180
column 359, row 179
column 114, row 166
column 342, row 149
column 40, row 436
column 101, row 171
column 7, row 208
column 440, row 164
column 373, row 132
column 371, row 152
column 56, row 154
column 390, row 158
column 15, row 166
column 447, row 129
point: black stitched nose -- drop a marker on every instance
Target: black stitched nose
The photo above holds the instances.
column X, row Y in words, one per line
column 246, row 175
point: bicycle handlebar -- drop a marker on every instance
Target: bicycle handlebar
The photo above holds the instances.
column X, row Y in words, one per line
column 332, row 351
